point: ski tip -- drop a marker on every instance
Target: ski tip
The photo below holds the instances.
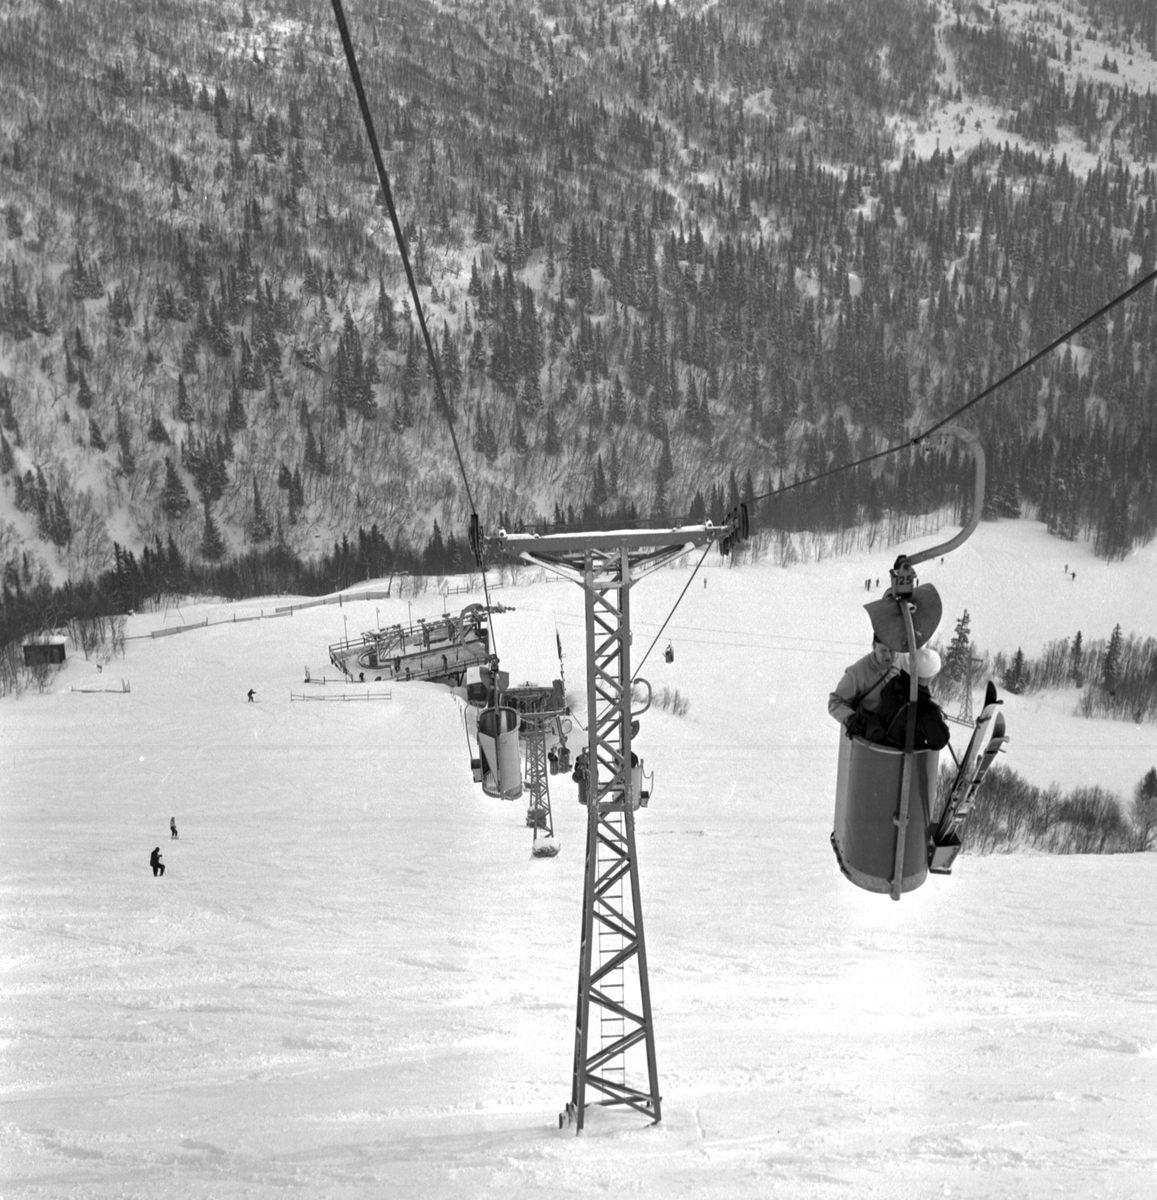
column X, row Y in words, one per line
column 998, row 726
column 990, row 694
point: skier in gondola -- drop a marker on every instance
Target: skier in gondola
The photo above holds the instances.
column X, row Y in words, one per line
column 887, row 726
column 859, row 689
column 581, row 774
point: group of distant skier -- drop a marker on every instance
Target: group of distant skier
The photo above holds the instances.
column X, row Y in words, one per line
column 155, row 859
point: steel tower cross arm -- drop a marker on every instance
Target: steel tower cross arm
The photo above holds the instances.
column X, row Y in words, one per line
column 569, row 547
column 568, row 550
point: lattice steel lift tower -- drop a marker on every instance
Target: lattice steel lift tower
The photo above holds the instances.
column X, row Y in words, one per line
column 535, row 728
column 613, row 981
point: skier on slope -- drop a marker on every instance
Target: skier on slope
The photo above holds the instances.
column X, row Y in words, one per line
column 155, row 862
column 859, row 688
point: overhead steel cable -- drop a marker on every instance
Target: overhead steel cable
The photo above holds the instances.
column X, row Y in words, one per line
column 399, row 237
column 983, row 395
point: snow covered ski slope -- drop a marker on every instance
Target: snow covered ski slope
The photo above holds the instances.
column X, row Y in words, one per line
column 355, row 981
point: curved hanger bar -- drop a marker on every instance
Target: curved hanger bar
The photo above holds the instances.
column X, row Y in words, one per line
column 965, row 435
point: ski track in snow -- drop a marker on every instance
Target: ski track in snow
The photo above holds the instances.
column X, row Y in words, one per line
column 355, row 981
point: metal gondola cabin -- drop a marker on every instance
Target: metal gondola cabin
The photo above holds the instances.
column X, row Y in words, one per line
column 498, row 749
column 888, row 832
column 498, row 766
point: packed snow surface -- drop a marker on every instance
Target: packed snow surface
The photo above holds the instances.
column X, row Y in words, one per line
column 355, row 981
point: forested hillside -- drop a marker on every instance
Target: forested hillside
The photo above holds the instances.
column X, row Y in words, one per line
column 671, row 255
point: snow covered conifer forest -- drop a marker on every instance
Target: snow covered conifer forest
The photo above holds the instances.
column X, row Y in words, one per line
column 669, row 254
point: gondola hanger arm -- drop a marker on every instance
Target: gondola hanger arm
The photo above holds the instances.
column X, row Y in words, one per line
column 973, row 442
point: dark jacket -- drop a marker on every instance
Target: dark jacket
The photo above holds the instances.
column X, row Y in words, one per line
column 888, row 725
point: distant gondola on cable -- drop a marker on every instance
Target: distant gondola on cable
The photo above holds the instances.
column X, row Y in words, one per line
column 889, row 830
column 499, row 761
column 494, row 726
column 504, row 718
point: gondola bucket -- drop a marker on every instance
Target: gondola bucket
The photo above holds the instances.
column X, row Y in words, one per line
column 498, row 748
column 868, row 782
column 640, row 784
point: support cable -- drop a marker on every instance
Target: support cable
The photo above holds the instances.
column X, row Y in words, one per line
column 384, row 182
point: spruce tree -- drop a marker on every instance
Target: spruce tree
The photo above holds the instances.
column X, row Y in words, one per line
column 1016, row 677
column 260, row 529
column 599, row 494
column 956, row 658
column 212, row 546
column 551, row 442
column 58, row 525
column 1111, row 670
column 235, row 419
column 157, row 431
column 660, row 513
column 15, row 222
column 128, row 465
column 618, row 410
column 184, row 406
column 174, row 496
column 1145, row 809
column 666, row 467
column 84, row 396
column 451, row 363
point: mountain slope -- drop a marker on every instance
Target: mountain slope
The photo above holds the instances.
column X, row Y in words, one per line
column 682, row 249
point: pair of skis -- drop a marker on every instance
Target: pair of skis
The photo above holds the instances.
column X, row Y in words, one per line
column 988, row 737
